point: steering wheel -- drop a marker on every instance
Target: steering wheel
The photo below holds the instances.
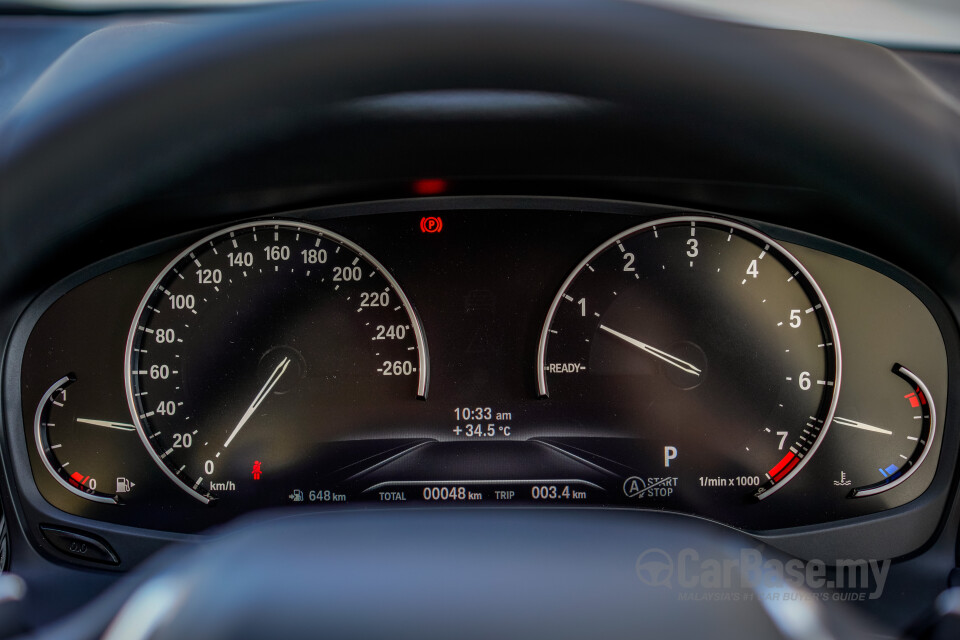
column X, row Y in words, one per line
column 631, row 91
column 472, row 574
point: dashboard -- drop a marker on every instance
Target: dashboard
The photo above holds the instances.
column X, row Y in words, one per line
column 453, row 318
column 495, row 352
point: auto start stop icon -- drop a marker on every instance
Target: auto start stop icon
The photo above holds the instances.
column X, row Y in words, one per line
column 431, row 224
column 637, row 487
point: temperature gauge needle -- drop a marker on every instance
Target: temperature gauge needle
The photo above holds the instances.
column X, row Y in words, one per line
column 122, row 426
column 656, row 353
column 860, row 425
column 260, row 397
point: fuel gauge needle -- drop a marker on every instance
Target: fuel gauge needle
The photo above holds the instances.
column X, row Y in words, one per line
column 656, row 353
column 260, row 397
column 860, row 425
column 122, row 426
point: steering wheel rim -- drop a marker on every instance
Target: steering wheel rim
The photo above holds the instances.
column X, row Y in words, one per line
column 475, row 574
column 843, row 117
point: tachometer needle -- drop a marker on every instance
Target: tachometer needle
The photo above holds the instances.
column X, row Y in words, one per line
column 122, row 426
column 260, row 397
column 656, row 353
column 860, row 425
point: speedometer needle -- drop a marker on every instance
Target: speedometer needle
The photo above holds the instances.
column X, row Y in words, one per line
column 656, row 353
column 260, row 397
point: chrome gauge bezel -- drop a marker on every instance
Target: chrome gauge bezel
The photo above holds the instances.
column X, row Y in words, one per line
column 416, row 326
column 43, row 446
column 881, row 487
column 763, row 239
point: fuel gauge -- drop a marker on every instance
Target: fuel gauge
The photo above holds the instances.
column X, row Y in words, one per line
column 83, row 452
column 893, row 441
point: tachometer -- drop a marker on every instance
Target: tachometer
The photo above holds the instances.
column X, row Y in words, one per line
column 705, row 332
column 259, row 341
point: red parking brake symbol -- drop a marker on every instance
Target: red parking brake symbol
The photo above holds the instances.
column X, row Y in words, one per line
column 256, row 470
column 431, row 224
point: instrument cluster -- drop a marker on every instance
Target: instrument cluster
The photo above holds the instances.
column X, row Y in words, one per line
column 554, row 354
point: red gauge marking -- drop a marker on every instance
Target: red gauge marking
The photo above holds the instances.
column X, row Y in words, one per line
column 916, row 399
column 783, row 467
column 789, row 468
column 79, row 479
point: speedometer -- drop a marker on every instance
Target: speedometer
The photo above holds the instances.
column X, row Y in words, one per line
column 259, row 341
column 704, row 335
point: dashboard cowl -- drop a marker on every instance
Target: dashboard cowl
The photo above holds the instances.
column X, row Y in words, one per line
column 693, row 98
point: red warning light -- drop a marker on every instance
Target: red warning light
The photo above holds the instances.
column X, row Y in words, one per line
column 429, row 186
column 431, row 224
column 256, row 470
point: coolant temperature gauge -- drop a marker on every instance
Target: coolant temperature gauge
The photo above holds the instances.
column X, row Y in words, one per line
column 893, row 441
column 82, row 451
